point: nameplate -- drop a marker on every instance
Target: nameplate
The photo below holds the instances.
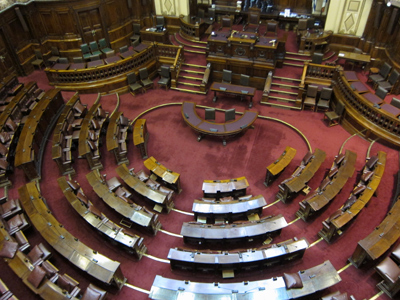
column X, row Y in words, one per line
column 222, row 88
column 341, row 54
column 213, row 129
column 376, row 105
column 243, row 126
column 352, row 87
column 186, row 116
column 245, row 92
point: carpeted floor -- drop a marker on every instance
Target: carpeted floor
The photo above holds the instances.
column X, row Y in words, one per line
column 175, row 145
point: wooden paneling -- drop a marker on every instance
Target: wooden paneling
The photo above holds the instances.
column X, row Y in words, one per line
column 67, row 20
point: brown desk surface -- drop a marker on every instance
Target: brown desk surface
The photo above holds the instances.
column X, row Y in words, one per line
column 365, row 58
column 390, row 109
column 112, row 131
column 112, row 59
column 127, row 54
column 83, row 146
column 374, row 99
column 77, row 66
column 161, row 171
column 59, row 66
column 95, row 63
column 139, row 134
column 283, row 161
column 226, row 185
column 233, row 88
column 359, row 87
column 350, row 75
column 140, row 47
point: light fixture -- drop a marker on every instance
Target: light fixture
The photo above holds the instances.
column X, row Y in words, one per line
column 389, row 3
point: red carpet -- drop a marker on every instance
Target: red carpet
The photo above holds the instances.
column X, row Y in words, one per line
column 175, row 145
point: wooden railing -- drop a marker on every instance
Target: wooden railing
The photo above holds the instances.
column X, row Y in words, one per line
column 317, row 74
column 176, row 67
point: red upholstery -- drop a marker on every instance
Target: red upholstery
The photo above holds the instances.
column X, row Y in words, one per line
column 8, row 249
column 292, row 280
column 36, row 276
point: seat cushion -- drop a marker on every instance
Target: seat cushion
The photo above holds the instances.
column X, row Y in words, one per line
column 36, row 276
column 4, row 137
column 8, row 249
column 15, row 222
column 292, row 280
column 9, row 206
column 49, row 269
column 66, row 284
column 91, row 294
column 35, row 254
column 389, row 270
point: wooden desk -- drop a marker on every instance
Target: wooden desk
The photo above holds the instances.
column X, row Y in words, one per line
column 277, row 167
column 141, row 136
column 293, row 185
column 222, row 130
column 160, row 200
column 357, row 57
column 212, row 210
column 170, row 178
column 237, row 90
column 359, row 87
column 59, row 66
column 127, row 54
column 95, row 63
column 350, row 75
column 225, row 188
column 237, row 260
column 192, row 27
column 34, row 135
column 132, row 243
column 137, row 214
column 150, row 34
column 372, row 98
column 391, row 109
column 314, row 279
column 380, row 240
column 310, row 42
column 88, row 260
column 113, row 138
column 239, row 233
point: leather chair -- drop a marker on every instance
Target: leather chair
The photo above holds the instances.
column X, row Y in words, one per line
column 38, row 254
column 272, row 28
column 78, row 59
column 390, row 272
column 388, row 85
column 38, row 62
column 210, row 114
column 226, row 23
column 123, row 49
column 253, row 20
column 336, row 296
column 85, row 51
column 165, row 79
column 395, row 102
column 301, row 26
column 144, row 78
column 55, row 55
column 10, row 208
column 226, row 76
column 22, row 241
column 230, row 114
column 317, row 58
column 311, row 97
column 324, row 99
column 134, row 86
column 382, row 75
column 334, row 116
column 94, row 57
column 160, row 20
column 381, row 93
column 94, row 48
column 135, row 38
column 92, row 292
column 18, row 222
column 63, row 60
column 244, row 80
column 103, row 46
column 68, row 284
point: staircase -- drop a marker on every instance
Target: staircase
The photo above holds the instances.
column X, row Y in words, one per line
column 190, row 78
column 283, row 93
column 296, row 59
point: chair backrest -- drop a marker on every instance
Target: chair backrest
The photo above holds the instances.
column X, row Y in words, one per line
column 226, row 76
column 244, row 80
column 339, row 109
column 54, row 51
column 131, row 78
column 393, row 77
column 93, row 46
column 38, row 54
column 254, row 17
column 229, row 114
column 310, row 23
column 385, row 69
column 102, row 43
column 110, row 53
column 160, row 20
column 211, row 13
column 381, row 92
column 143, row 73
column 85, row 48
column 357, row 50
column 94, row 57
column 395, row 102
column 201, row 13
column 226, row 22
column 136, row 28
column 272, row 26
column 123, row 49
column 317, row 58
column 165, row 72
column 62, row 60
column 78, row 59
column 326, row 93
column 302, row 24
column 312, row 91
column 210, row 114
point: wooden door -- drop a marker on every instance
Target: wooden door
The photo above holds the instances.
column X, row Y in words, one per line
column 91, row 25
column 6, row 63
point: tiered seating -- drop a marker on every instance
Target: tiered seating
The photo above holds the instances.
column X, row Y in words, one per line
column 342, row 169
column 236, row 260
column 235, row 187
column 389, row 270
column 247, row 231
column 18, row 236
column 278, row 166
column 66, row 134
column 118, row 198
column 93, row 126
column 117, row 136
column 162, row 198
column 288, row 286
column 164, row 175
column 141, row 136
column 5, row 293
column 88, row 260
column 360, row 196
column 83, row 206
column 34, row 135
column 297, row 182
column 227, row 209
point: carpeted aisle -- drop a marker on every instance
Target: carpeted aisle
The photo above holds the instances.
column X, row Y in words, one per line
column 175, row 145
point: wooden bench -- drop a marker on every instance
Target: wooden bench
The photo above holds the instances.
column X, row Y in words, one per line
column 278, row 166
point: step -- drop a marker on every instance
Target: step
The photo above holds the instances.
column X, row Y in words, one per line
column 194, row 66
column 293, row 65
column 192, row 71
column 188, row 90
column 285, row 85
column 192, row 78
column 299, row 54
column 280, row 105
column 283, row 92
column 297, row 59
column 201, row 43
column 282, row 99
column 187, row 83
column 286, row 78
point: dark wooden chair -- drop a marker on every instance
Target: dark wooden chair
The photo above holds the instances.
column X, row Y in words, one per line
column 134, row 86
column 144, row 78
column 165, row 79
column 382, row 75
column 226, row 76
column 324, row 99
column 388, row 85
column 334, row 116
column 311, row 97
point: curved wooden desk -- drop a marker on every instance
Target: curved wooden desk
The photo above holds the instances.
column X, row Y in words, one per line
column 35, row 132
column 222, row 130
column 235, row 188
column 141, row 136
column 309, row 42
column 230, row 210
column 277, row 167
column 117, row 137
column 133, row 244
column 88, row 260
column 192, row 28
column 314, row 279
column 237, row 260
column 199, row 233
column 170, row 178
column 135, row 213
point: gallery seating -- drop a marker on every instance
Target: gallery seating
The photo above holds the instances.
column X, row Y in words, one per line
column 55, row 55
column 85, row 51
column 144, row 78
column 333, row 117
column 279, row 165
column 388, row 84
column 117, row 136
column 38, row 62
column 165, row 79
column 103, row 47
column 133, row 84
column 324, row 99
column 382, row 75
column 135, row 38
column 310, row 100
